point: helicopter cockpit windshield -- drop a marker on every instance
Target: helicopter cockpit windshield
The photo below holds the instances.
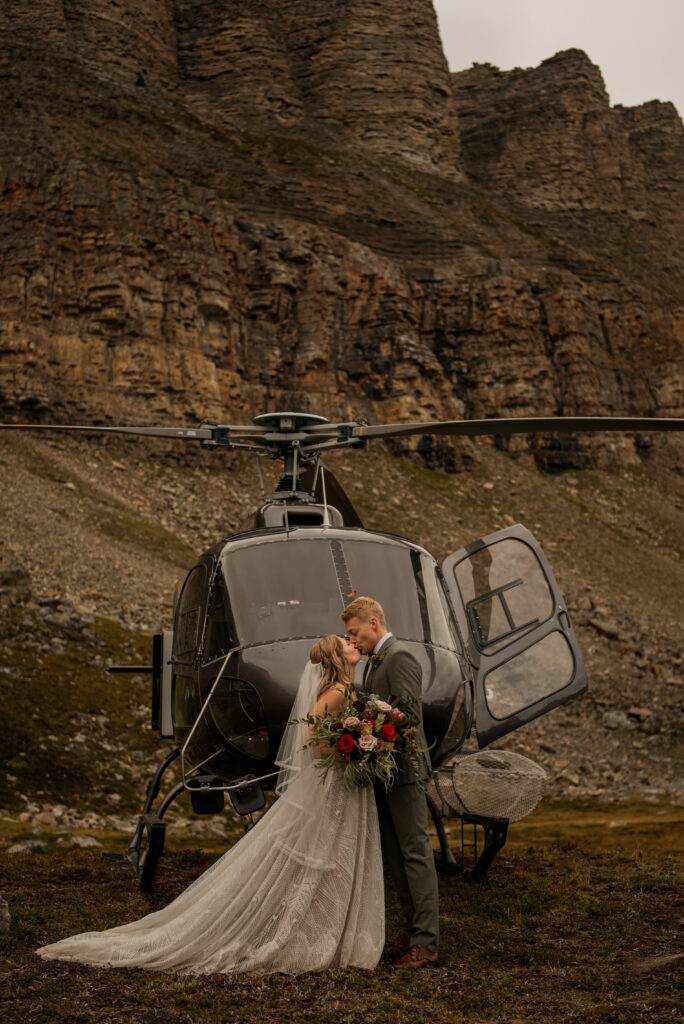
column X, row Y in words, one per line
column 297, row 589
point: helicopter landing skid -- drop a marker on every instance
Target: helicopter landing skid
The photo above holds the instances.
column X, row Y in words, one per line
column 147, row 845
column 495, row 833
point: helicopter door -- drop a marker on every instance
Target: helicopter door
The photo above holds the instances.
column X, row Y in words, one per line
column 521, row 644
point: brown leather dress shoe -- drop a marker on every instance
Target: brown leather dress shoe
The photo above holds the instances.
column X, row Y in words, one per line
column 417, row 956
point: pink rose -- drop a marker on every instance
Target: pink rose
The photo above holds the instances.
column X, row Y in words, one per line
column 351, row 722
column 397, row 715
column 383, row 706
column 368, row 742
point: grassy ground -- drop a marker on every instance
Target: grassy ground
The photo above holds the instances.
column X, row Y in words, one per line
column 69, row 728
column 576, row 921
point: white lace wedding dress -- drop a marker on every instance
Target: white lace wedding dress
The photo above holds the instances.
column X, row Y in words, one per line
column 302, row 891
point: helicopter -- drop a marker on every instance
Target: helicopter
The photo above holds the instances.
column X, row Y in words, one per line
column 489, row 627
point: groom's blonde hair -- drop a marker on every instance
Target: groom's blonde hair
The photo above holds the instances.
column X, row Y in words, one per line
column 364, row 608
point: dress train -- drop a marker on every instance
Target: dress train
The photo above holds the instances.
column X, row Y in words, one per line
column 302, row 891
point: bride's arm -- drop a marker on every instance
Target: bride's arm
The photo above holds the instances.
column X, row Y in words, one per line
column 331, row 700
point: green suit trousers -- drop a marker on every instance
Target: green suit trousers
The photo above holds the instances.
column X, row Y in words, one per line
column 402, row 813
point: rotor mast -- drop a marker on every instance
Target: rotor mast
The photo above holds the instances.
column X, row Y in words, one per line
column 286, row 433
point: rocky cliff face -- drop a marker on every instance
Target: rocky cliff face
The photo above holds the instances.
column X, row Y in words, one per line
column 547, row 139
column 210, row 209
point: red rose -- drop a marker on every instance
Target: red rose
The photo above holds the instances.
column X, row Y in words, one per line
column 388, row 732
column 345, row 744
column 336, row 727
column 359, row 704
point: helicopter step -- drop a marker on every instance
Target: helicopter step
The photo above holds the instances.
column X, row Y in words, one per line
column 495, row 832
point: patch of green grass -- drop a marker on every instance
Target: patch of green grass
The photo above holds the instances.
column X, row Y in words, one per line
column 517, row 946
column 50, row 698
column 149, row 538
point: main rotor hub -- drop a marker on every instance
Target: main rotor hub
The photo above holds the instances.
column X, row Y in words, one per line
column 288, row 422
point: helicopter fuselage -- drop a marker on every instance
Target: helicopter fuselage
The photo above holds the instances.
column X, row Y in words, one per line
column 249, row 612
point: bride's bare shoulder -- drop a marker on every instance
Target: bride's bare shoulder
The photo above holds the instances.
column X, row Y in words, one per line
column 331, row 699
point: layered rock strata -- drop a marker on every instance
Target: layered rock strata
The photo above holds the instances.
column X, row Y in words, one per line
column 209, row 210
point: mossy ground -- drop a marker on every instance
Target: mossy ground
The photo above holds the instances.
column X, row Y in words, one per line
column 559, row 932
column 73, row 734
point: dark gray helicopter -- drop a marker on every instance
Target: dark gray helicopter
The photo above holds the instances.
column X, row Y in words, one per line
column 489, row 627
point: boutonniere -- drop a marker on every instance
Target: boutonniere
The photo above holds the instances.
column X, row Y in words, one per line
column 375, row 659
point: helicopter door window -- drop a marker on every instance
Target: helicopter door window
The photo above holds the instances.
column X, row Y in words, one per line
column 505, row 592
column 522, row 648
column 491, row 617
column 542, row 669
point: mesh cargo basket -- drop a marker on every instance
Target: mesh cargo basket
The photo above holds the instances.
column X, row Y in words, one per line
column 490, row 784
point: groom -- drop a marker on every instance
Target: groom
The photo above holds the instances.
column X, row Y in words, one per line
column 393, row 671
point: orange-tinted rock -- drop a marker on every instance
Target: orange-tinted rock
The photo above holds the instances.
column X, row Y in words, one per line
column 275, row 217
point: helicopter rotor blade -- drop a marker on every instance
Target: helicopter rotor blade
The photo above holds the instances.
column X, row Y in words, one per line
column 207, row 433
column 350, row 432
column 184, row 433
column 262, row 438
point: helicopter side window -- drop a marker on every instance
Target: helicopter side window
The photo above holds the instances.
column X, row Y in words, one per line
column 405, row 583
column 186, row 703
column 188, row 616
column 442, row 628
column 219, row 630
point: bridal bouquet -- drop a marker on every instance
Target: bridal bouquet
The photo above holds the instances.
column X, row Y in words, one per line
column 363, row 739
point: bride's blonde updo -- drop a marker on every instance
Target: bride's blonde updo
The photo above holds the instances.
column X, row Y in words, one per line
column 329, row 652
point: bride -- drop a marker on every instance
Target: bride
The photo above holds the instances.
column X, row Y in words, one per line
column 301, row 891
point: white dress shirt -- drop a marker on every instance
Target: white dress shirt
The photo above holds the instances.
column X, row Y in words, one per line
column 376, row 649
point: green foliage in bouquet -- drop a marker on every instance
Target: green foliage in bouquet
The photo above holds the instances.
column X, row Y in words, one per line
column 365, row 738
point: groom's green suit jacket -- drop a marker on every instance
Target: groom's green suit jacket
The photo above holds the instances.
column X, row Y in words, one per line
column 396, row 673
